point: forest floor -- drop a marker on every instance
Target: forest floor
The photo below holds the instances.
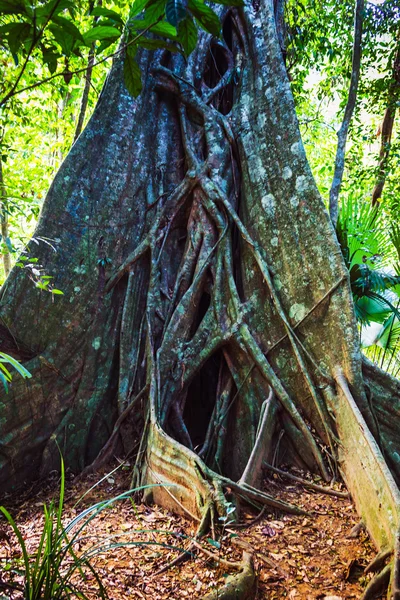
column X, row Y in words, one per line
column 297, row 557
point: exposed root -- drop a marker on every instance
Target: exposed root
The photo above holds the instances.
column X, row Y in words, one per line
column 356, row 530
column 378, row 584
column 191, row 487
column 308, row 484
column 378, row 562
column 249, row 523
column 228, row 564
column 246, row 491
column 239, row 586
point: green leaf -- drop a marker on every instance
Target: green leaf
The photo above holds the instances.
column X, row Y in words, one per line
column 151, row 44
column 229, row 2
column 8, row 7
column 154, row 11
column 175, row 11
column 50, row 59
column 187, row 35
column 101, row 11
column 6, row 372
column 138, row 6
column 63, row 38
column 101, row 33
column 104, row 44
column 69, row 27
column 165, row 30
column 214, row 543
column 9, row 244
column 17, row 366
column 4, row 381
column 206, row 17
column 22, row 544
column 132, row 76
column 54, row 7
column 57, row 292
column 18, row 33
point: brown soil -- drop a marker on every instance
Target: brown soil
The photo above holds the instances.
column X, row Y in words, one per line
column 295, row 557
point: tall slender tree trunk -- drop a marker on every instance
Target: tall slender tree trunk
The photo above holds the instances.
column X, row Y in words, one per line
column 4, row 222
column 348, row 113
column 206, row 304
column 85, row 94
column 88, row 81
column 387, row 130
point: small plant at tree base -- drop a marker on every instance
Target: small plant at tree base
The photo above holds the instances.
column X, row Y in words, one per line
column 55, row 571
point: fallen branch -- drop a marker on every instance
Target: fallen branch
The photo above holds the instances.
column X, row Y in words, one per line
column 355, row 531
column 186, row 554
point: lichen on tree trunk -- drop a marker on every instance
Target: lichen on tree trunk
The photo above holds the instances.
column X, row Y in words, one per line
column 201, row 275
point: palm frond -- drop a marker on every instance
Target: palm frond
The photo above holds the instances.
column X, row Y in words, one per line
column 363, row 280
column 363, row 234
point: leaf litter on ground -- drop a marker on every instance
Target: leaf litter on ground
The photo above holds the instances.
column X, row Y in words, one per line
column 310, row 558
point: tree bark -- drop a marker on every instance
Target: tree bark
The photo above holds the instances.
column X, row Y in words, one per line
column 179, row 188
column 200, row 271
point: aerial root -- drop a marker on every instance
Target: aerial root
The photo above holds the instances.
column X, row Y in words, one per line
column 219, row 213
column 263, row 440
column 239, row 586
column 249, row 344
column 171, row 207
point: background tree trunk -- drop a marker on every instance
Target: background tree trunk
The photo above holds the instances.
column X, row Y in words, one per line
column 4, row 223
column 386, row 129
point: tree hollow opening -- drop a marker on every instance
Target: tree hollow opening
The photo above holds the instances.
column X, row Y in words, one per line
column 200, row 400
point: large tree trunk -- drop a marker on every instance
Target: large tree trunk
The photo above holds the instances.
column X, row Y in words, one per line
column 204, row 290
